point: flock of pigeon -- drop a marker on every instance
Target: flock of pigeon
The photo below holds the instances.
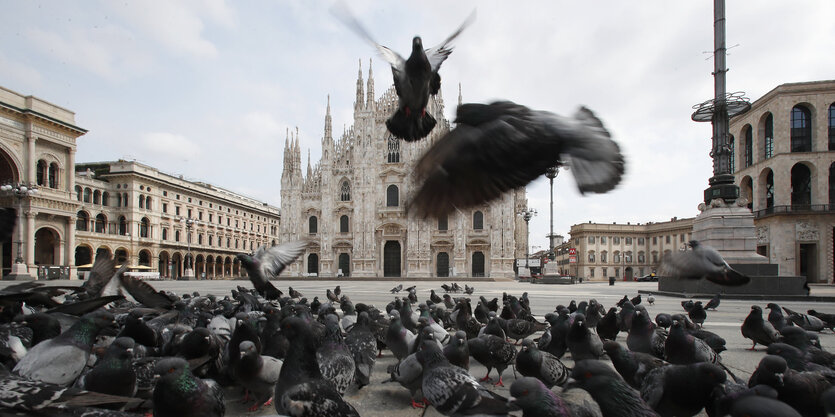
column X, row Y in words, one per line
column 116, row 347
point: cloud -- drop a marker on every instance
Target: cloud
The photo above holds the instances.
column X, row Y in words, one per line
column 169, row 145
column 19, row 73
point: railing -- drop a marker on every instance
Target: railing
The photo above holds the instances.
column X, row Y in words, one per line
column 795, row 208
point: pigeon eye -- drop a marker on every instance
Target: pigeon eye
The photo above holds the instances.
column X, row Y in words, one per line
column 587, row 375
column 171, row 370
column 524, row 393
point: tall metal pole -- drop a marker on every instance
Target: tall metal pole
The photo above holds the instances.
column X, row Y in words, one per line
column 551, row 173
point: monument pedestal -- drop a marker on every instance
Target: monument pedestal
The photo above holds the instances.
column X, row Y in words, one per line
column 188, row 275
column 20, row 272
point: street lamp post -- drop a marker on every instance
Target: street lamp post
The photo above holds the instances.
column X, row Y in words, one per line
column 188, row 273
column 20, row 191
column 551, row 173
column 527, row 215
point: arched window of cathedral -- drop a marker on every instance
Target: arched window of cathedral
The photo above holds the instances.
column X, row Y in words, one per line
column 312, row 225
column 345, row 191
column 96, row 197
column 164, row 234
column 443, row 223
column 145, row 227
column 478, row 220
column 801, row 131
column 141, row 201
column 148, row 202
column 118, row 200
column 82, row 220
column 393, row 150
column 123, row 226
column 101, row 222
column 392, row 196
column 343, row 224
column 105, row 196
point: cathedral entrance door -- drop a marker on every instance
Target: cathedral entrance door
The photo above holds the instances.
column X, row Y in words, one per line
column 391, row 259
column 345, row 264
column 478, row 264
column 443, row 264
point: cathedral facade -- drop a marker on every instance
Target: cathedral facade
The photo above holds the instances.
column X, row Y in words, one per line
column 352, row 206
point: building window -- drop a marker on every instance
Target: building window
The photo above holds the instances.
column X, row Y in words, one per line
column 591, row 256
column 39, row 175
column 312, row 225
column 801, row 130
column 87, row 195
column 78, row 193
column 345, row 192
column 640, row 241
column 655, row 240
column 768, row 145
column 591, row 272
column 393, row 154
column 148, row 203
column 832, row 127
column 176, row 235
column 616, row 240
column 591, row 240
column 667, row 239
column 801, row 186
column 443, row 223
column 681, row 237
column 118, row 200
column 53, row 175
column 628, row 257
column 165, row 207
column 392, row 196
column 82, row 221
column 603, row 256
column 641, row 258
column 605, row 271
column 164, row 234
column 616, row 258
column 343, row 224
column 478, row 220
column 629, row 241
column 125, row 199
column 101, row 223
column 177, row 210
column 123, row 226
column 749, row 145
column 211, row 240
column 105, row 197
column 769, row 189
column 141, row 201
column 145, row 227
column 576, row 241
column 655, row 257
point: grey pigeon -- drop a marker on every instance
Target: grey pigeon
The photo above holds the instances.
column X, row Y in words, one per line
column 632, row 366
column 757, row 329
column 363, row 346
column 457, row 352
column 776, row 317
column 536, row 400
column 697, row 313
column 409, row 373
column 521, row 328
column 644, row 337
column 399, row 339
column 828, row 319
column 62, row 359
column 582, row 343
column 258, row 374
column 179, row 393
column 267, row 263
column 805, row 321
column 336, row 363
column 452, row 390
column 801, row 390
column 702, row 262
column 530, row 361
column 492, row 352
column 502, row 146
column 713, row 303
column 681, row 390
column 18, row 393
column 415, row 78
column 683, row 348
column 614, row 396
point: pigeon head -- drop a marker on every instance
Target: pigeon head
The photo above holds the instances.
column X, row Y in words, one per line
column 524, row 392
column 417, row 44
column 712, row 373
column 693, row 244
column 430, row 354
column 757, row 309
column 247, row 348
column 170, row 366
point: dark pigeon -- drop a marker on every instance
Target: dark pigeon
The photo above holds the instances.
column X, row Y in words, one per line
column 683, row 348
column 713, row 303
column 536, row 400
column 362, row 344
column 805, row 321
column 697, row 314
column 18, row 393
column 757, row 329
column 801, row 390
column 828, row 319
column 336, row 363
column 415, row 78
column 114, row 374
column 258, row 374
column 399, row 339
column 607, row 327
column 681, row 390
column 644, row 337
column 492, row 352
column 267, row 263
column 62, row 359
column 530, row 361
column 614, row 396
column 776, row 317
column 457, row 352
column 502, row 146
column 521, row 328
column 582, row 343
column 179, row 393
column 397, row 288
column 632, row 366
column 452, row 390
column 702, row 262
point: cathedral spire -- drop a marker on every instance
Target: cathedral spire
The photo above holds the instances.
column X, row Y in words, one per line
column 460, row 100
column 369, row 103
column 309, row 170
column 358, row 102
column 328, row 120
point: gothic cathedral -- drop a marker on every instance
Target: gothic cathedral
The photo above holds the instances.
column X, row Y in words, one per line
column 352, row 205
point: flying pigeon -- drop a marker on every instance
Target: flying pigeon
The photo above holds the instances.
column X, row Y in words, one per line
column 502, row 146
column 702, row 262
column 415, row 78
column 267, row 263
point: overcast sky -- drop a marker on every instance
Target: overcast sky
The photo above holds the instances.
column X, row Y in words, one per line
column 206, row 89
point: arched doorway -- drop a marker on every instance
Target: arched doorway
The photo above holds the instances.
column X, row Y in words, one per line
column 345, row 264
column 145, row 258
column 83, row 255
column 103, row 251
column 442, row 264
column 801, row 193
column 176, row 265
column 200, row 267
column 46, row 247
column 391, row 259
column 163, row 265
column 313, row 264
column 478, row 264
column 121, row 256
column 627, row 274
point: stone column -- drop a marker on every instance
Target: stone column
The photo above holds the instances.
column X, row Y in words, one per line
column 31, row 163
column 29, row 235
column 69, row 171
column 70, row 246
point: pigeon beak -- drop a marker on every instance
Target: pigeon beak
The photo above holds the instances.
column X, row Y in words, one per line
column 129, row 350
column 571, row 383
column 779, row 379
column 511, row 401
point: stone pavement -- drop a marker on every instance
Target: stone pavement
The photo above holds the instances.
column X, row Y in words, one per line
column 391, row 400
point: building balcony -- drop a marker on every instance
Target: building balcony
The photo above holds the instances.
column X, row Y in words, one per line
column 795, row 209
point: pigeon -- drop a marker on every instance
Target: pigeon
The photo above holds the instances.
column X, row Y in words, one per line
column 267, row 263
column 805, row 321
column 522, row 328
column 795, row 359
column 759, row 406
column 614, row 396
column 336, row 363
column 801, row 390
column 457, row 352
column 409, row 373
column 397, row 289
column 582, row 343
column 776, row 317
column 452, row 390
column 681, row 390
column 362, row 344
column 683, row 348
column 27, row 395
column 503, row 146
column 530, row 361
column 697, row 314
column 828, row 319
column 702, row 262
column 399, row 339
column 651, row 300
column 114, row 374
column 664, row 320
column 607, row 327
column 258, row 374
column 636, row 300
column 757, row 329
column 643, row 337
column 415, row 78
column 492, row 352
column 179, row 393
column 687, row 305
column 713, row 303
column 536, row 400
column 632, row 366
column 62, row 359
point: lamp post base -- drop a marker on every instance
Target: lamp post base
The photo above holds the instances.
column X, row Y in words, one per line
column 20, row 272
column 188, row 275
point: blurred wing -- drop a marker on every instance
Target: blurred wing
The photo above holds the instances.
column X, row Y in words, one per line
column 341, row 11
column 144, row 292
column 83, row 307
column 439, row 53
column 276, row 258
column 100, row 274
column 684, row 264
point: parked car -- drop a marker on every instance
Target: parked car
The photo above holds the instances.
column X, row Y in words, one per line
column 648, row 278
